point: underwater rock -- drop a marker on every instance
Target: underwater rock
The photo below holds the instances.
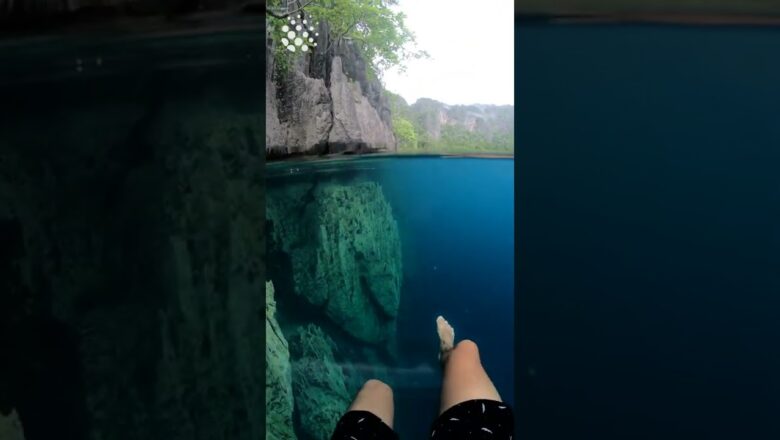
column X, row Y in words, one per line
column 11, row 427
column 140, row 234
column 321, row 396
column 345, row 253
column 278, row 375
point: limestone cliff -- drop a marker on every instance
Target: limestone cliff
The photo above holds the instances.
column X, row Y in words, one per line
column 325, row 103
column 470, row 125
column 278, row 375
column 474, row 118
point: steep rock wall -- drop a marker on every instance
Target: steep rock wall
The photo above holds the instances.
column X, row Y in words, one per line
column 326, row 103
column 432, row 116
column 357, row 125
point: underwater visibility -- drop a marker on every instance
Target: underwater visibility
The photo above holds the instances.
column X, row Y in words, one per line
column 131, row 213
column 650, row 236
column 362, row 255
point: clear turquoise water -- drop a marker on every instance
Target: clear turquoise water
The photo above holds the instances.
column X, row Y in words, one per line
column 456, row 222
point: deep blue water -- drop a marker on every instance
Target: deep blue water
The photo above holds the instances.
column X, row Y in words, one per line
column 456, row 220
column 456, row 223
column 649, row 232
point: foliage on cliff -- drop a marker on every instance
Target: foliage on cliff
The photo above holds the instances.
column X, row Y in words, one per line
column 404, row 132
column 419, row 127
column 377, row 29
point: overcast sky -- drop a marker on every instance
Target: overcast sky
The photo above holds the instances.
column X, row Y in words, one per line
column 471, row 43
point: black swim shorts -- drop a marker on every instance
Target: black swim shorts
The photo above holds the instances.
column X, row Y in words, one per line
column 472, row 419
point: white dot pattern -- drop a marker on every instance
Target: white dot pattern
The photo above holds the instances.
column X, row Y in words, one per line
column 298, row 34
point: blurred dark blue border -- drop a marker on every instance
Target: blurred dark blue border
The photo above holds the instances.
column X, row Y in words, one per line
column 648, row 231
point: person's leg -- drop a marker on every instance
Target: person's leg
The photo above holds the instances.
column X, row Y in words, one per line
column 470, row 405
column 464, row 377
column 369, row 416
column 375, row 397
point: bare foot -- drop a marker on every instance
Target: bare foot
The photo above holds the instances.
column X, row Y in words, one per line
column 446, row 338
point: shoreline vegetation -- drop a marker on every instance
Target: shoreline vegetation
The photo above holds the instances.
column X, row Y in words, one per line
column 682, row 19
column 331, row 158
column 430, row 126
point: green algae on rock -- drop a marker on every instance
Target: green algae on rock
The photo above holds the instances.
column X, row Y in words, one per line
column 10, row 426
column 144, row 224
column 345, row 252
column 321, row 396
column 278, row 375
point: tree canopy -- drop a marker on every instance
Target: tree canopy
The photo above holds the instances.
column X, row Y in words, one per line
column 376, row 27
column 405, row 133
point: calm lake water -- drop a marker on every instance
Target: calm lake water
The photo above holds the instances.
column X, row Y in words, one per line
column 649, row 246
column 455, row 220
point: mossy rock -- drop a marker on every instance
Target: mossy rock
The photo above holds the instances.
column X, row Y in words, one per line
column 319, row 388
column 278, row 375
column 345, row 251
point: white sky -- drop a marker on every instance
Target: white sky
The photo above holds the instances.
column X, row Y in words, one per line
column 471, row 43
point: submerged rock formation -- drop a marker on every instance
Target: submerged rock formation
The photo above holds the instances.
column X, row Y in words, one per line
column 131, row 289
column 10, row 426
column 345, row 252
column 318, row 383
column 278, row 375
column 325, row 103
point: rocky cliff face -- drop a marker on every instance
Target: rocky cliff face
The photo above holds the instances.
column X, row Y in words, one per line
column 325, row 103
column 131, row 265
column 434, row 116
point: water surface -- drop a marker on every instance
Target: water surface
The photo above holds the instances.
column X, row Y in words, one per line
column 456, row 225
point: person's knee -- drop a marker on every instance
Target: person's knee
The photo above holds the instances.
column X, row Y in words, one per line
column 377, row 386
column 467, row 345
column 375, row 397
column 465, row 352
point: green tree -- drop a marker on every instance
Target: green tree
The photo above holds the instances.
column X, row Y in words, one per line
column 398, row 105
column 378, row 31
column 405, row 133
